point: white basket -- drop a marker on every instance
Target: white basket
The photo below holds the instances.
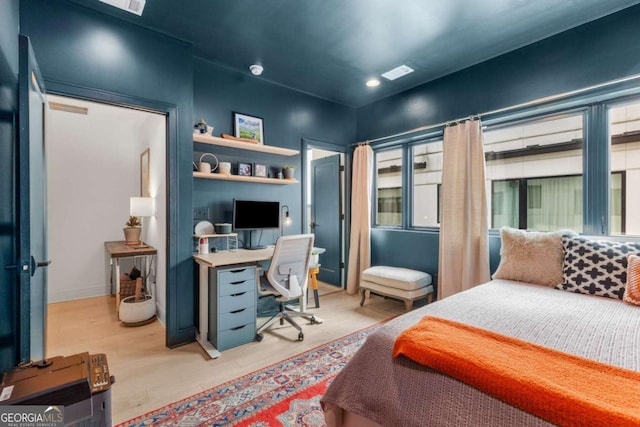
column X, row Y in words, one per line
column 132, row 311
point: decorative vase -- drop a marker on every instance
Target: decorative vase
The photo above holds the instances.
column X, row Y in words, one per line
column 288, row 173
column 132, row 235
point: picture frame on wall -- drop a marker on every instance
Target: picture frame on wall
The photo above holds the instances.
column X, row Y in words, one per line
column 259, row 170
column 245, row 169
column 248, row 127
column 144, row 173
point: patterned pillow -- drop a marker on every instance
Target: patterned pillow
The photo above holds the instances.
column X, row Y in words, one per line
column 632, row 293
column 596, row 267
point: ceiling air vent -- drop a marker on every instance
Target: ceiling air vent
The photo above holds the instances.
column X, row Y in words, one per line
column 133, row 6
column 397, row 72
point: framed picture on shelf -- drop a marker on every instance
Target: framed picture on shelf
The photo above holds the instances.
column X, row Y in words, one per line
column 245, row 169
column 248, row 127
column 259, row 170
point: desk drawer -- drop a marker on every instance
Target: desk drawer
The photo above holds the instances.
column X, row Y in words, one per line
column 237, row 287
column 236, row 318
column 237, row 336
column 236, row 275
column 235, row 302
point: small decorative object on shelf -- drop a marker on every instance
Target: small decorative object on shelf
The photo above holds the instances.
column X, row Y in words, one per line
column 249, row 127
column 202, row 127
column 224, row 168
column 132, row 231
column 205, row 166
column 244, row 169
column 259, row 170
column 288, row 171
column 233, row 138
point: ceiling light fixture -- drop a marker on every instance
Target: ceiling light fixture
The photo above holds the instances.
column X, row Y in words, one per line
column 398, row 72
column 256, row 69
column 373, row 82
column 133, row 6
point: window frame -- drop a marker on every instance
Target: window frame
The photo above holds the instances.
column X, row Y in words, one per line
column 374, row 187
column 594, row 105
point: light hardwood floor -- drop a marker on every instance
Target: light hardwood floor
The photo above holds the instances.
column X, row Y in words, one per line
column 150, row 375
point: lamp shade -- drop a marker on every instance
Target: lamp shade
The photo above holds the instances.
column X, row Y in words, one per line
column 142, row 206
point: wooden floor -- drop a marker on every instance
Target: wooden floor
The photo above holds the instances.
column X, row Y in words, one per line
column 150, row 375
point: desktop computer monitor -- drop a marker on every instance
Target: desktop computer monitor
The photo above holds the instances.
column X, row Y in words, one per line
column 255, row 215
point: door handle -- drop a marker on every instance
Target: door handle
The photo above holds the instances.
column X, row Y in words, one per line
column 314, row 224
column 35, row 264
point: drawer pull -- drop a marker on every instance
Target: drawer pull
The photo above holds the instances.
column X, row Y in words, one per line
column 238, row 311
column 237, row 295
column 238, row 271
column 238, row 282
column 237, row 328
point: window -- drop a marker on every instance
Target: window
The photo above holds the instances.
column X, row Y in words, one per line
column 427, row 176
column 624, row 128
column 552, row 203
column 389, row 187
column 534, row 172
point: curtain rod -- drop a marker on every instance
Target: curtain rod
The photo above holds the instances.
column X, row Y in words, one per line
column 504, row 110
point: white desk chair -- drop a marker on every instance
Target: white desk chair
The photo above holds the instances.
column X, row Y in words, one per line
column 287, row 278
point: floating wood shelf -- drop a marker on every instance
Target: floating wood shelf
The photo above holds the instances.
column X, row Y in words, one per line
column 241, row 178
column 216, row 235
column 214, row 140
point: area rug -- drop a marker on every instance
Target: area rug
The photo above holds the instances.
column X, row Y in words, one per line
column 284, row 394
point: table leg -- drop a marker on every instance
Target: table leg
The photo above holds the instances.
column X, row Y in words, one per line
column 203, row 327
column 117, row 268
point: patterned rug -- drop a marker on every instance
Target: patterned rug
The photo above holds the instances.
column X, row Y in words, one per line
column 284, row 394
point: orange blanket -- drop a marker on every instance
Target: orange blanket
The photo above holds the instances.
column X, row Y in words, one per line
column 555, row 386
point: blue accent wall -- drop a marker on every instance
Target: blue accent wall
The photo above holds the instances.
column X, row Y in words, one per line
column 587, row 55
column 9, row 24
column 288, row 116
column 78, row 47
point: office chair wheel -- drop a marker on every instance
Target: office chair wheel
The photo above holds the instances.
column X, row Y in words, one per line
column 313, row 320
column 259, row 337
column 300, row 336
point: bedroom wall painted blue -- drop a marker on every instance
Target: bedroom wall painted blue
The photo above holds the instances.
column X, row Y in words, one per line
column 288, row 117
column 9, row 25
column 79, row 47
column 590, row 54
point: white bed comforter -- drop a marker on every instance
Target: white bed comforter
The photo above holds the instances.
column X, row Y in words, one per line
column 399, row 392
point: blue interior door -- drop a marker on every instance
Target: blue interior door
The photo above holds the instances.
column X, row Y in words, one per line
column 325, row 216
column 32, row 224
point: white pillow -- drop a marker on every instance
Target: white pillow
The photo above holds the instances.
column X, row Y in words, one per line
column 530, row 256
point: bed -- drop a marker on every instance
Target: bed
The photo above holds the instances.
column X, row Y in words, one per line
column 376, row 389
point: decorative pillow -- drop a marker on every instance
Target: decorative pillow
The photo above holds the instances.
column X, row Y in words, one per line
column 632, row 292
column 596, row 267
column 532, row 257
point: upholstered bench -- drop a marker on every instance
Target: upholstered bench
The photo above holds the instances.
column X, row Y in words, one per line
column 402, row 283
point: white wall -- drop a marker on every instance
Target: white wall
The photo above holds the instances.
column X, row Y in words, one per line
column 152, row 135
column 93, row 166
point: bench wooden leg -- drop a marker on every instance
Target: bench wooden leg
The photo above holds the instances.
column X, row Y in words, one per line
column 362, row 297
column 430, row 298
column 408, row 304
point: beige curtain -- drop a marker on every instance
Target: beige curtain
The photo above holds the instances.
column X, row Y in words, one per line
column 360, row 242
column 464, row 249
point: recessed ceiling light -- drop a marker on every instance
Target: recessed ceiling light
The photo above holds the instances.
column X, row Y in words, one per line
column 133, row 6
column 373, row 82
column 256, row 69
column 397, row 72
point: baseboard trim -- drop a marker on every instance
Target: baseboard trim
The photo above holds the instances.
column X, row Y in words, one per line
column 74, row 294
